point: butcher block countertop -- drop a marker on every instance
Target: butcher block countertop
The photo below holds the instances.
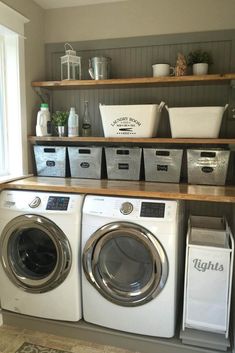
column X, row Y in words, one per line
column 125, row 188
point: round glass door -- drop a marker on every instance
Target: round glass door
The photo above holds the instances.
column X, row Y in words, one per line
column 35, row 253
column 125, row 263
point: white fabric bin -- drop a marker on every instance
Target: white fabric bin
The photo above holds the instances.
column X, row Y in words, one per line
column 196, row 122
column 208, row 275
column 137, row 120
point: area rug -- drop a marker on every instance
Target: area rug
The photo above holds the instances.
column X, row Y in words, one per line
column 35, row 348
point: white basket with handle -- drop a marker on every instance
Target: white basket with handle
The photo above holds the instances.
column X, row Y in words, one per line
column 196, row 122
column 137, row 120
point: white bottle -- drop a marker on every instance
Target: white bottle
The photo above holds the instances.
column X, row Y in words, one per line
column 43, row 127
column 73, row 124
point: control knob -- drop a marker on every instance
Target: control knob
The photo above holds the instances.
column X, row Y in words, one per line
column 126, row 208
column 35, row 203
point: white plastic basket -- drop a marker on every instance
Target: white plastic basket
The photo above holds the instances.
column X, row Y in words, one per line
column 208, row 275
column 139, row 120
column 196, row 122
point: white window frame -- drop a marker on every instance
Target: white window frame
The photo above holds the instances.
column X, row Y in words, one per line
column 13, row 82
column 3, row 144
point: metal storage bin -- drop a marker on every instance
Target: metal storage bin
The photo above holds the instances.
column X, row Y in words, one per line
column 208, row 275
column 85, row 162
column 207, row 166
column 50, row 160
column 163, row 165
column 123, row 163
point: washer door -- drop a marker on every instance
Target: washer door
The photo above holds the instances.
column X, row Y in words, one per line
column 125, row 263
column 35, row 253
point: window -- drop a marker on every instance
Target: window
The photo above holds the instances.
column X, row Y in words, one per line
column 13, row 139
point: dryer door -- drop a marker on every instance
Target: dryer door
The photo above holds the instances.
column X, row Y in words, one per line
column 125, row 263
column 35, row 253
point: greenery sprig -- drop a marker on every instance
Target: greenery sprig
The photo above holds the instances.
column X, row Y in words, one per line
column 60, row 118
column 199, row 56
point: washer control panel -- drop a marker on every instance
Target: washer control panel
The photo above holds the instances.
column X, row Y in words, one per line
column 126, row 208
column 152, row 209
column 57, row 203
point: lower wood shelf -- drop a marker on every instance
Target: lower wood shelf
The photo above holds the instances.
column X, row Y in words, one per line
column 126, row 188
column 153, row 140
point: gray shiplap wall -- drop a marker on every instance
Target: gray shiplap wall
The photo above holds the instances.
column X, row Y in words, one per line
column 134, row 58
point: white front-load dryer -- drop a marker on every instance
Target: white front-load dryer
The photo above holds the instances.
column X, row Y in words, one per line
column 40, row 254
column 130, row 252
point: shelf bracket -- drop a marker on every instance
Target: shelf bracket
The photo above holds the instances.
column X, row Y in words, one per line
column 231, row 102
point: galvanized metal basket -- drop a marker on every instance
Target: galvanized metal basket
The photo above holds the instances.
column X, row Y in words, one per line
column 123, row 163
column 85, row 162
column 162, row 165
column 207, row 166
column 50, row 160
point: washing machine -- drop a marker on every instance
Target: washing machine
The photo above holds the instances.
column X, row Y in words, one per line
column 131, row 255
column 40, row 254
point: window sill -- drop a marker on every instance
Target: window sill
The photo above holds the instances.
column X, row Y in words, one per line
column 7, row 178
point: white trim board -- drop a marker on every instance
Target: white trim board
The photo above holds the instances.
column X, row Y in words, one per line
column 11, row 19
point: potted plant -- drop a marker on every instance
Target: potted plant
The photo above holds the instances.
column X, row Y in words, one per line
column 59, row 120
column 199, row 60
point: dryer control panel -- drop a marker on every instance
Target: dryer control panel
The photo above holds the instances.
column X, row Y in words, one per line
column 131, row 209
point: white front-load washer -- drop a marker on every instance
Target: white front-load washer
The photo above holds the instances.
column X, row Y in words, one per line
column 40, row 254
column 130, row 255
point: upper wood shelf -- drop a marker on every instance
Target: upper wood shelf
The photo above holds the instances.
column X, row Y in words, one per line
column 56, row 139
column 181, row 80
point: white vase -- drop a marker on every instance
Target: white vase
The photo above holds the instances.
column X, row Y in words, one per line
column 200, row 69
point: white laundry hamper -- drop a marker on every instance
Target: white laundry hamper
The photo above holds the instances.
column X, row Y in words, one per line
column 208, row 275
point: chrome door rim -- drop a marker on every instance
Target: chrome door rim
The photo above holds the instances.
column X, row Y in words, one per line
column 90, row 261
column 64, row 254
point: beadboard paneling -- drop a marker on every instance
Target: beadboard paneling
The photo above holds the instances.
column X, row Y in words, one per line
column 134, row 58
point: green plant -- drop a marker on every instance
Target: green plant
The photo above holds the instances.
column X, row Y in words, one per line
column 199, row 56
column 60, row 118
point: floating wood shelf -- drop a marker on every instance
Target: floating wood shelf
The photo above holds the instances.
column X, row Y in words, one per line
column 121, row 140
column 127, row 188
column 182, row 80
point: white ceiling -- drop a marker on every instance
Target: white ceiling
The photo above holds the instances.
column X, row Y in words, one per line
column 55, row 4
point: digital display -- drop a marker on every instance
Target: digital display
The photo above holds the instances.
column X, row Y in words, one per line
column 57, row 203
column 152, row 209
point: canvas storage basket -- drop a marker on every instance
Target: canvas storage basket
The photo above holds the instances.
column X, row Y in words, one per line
column 196, row 122
column 85, row 162
column 123, row 163
column 139, row 120
column 50, row 160
column 207, row 166
column 208, row 275
column 163, row 165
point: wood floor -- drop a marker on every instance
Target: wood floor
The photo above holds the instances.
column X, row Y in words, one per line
column 11, row 338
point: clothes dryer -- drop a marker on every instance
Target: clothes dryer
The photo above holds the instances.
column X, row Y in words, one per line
column 130, row 253
column 39, row 249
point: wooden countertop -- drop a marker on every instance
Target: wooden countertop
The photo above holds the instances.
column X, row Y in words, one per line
column 126, row 188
